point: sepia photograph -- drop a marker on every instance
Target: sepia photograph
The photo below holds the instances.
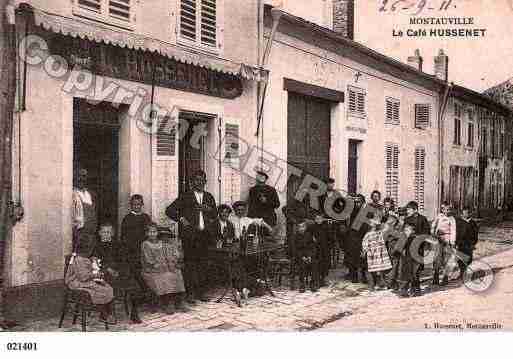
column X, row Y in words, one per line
column 235, row 167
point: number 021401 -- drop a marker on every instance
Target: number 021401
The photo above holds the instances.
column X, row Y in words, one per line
column 30, row 346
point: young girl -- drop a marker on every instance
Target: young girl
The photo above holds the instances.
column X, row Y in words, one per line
column 83, row 274
column 161, row 270
column 374, row 248
column 108, row 252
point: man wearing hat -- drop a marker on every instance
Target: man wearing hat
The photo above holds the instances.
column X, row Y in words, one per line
column 263, row 200
column 195, row 211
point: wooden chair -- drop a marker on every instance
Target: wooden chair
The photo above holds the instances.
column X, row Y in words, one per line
column 80, row 301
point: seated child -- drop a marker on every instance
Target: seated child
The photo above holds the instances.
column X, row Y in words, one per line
column 375, row 250
column 307, row 258
column 107, row 252
column 161, row 270
column 84, row 274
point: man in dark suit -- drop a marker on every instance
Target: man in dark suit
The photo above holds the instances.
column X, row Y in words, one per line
column 222, row 229
column 263, row 200
column 195, row 211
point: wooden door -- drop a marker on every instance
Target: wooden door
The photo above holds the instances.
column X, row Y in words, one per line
column 309, row 132
column 352, row 167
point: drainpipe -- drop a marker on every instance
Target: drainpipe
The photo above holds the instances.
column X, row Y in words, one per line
column 441, row 115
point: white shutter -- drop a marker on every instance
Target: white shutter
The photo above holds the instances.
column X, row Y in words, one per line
column 392, row 111
column 392, row 171
column 419, row 185
column 209, row 23
column 166, row 138
column 120, row 9
column 356, row 101
column 352, row 101
column 188, row 19
column 422, row 115
column 92, row 5
column 231, row 169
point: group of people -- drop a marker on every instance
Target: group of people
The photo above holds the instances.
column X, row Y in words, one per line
column 176, row 272
column 388, row 249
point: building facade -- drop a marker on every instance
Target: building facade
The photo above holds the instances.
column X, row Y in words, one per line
column 372, row 124
column 139, row 93
column 144, row 93
column 475, row 158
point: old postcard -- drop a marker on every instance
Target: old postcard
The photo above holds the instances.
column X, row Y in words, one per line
column 256, row 166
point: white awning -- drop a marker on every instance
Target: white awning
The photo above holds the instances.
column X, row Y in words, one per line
column 88, row 30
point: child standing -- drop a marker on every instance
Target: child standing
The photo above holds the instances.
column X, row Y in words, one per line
column 161, row 270
column 306, row 258
column 108, row 252
column 444, row 228
column 133, row 230
column 83, row 274
column 410, row 266
column 374, row 248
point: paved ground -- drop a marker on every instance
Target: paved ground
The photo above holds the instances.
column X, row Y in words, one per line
column 344, row 306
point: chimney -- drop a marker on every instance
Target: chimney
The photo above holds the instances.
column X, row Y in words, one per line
column 442, row 66
column 416, row 60
column 343, row 18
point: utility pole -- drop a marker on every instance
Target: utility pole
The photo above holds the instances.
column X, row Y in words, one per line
column 7, row 101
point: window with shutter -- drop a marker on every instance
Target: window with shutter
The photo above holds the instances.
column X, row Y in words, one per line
column 232, row 144
column 115, row 12
column 92, row 5
column 392, row 171
column 457, row 132
column 470, row 135
column 392, row 111
column 166, row 138
column 422, row 115
column 199, row 22
column 120, row 9
column 419, row 185
column 356, row 103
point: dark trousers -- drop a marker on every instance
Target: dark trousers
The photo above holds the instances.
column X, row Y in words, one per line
column 468, row 256
column 309, row 271
column 195, row 248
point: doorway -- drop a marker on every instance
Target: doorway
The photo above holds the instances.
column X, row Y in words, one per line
column 352, row 166
column 95, row 148
column 192, row 148
column 308, row 138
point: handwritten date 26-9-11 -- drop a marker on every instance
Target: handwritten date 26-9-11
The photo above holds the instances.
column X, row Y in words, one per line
column 417, row 6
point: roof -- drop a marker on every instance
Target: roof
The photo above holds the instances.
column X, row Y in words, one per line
column 385, row 63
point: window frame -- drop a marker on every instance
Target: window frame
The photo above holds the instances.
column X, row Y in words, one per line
column 104, row 16
column 197, row 43
column 415, row 110
column 393, row 102
column 359, row 93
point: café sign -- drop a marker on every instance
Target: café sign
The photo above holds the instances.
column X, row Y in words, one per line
column 144, row 67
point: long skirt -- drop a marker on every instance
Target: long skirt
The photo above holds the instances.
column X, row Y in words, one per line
column 165, row 283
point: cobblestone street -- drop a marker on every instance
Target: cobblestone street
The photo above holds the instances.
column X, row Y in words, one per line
column 343, row 305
